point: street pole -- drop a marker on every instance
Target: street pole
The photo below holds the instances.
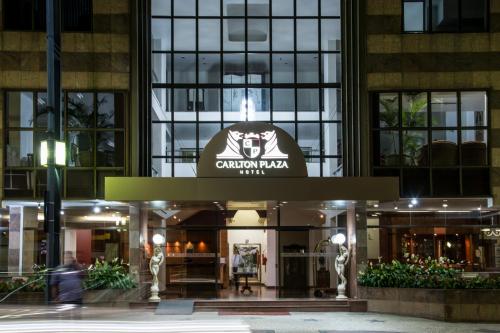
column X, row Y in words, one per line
column 52, row 200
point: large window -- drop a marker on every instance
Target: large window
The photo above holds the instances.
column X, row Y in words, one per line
column 445, row 15
column 94, row 124
column 30, row 15
column 212, row 58
column 436, row 142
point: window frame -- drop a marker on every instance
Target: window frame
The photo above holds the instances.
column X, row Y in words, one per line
column 427, row 19
column 294, row 84
column 36, row 169
column 400, row 167
column 36, row 29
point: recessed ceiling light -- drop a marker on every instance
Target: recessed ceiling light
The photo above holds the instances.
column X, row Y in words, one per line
column 375, row 206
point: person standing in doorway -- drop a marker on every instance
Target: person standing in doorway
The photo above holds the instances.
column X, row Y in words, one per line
column 235, row 264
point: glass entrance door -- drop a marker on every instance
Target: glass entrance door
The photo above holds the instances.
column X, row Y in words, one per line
column 191, row 263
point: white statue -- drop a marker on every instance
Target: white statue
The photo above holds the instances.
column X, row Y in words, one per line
column 154, row 267
column 341, row 262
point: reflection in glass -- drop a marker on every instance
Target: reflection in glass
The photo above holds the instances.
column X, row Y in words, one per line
column 307, row 8
column 209, row 7
column 330, row 34
column 184, row 34
column 444, row 15
column 208, row 35
column 283, row 35
column 282, row 7
column 184, row 7
column 185, row 104
column 184, row 68
column 161, row 67
column 80, row 110
column 206, row 133
column 332, row 104
column 234, row 68
column 389, row 148
column 330, row 7
column 307, row 35
column 473, row 108
column 413, row 13
column 19, row 148
column 331, row 68
column 110, row 110
column 161, row 139
column 283, row 68
column 258, row 34
column 80, row 148
column 258, row 68
column 307, row 68
column 444, row 109
column 160, row 34
column 161, row 7
column 41, row 110
column 109, row 149
column 20, row 109
column 209, row 104
column 234, row 35
column 209, row 68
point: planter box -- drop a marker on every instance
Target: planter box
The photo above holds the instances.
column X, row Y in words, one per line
column 95, row 297
column 472, row 305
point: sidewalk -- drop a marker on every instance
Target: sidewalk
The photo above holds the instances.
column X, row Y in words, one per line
column 95, row 319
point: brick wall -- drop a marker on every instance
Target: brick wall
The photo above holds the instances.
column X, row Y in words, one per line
column 396, row 61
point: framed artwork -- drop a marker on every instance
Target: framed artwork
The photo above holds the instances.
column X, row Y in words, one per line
column 250, row 258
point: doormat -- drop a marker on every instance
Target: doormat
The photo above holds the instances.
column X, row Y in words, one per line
column 254, row 313
column 175, row 307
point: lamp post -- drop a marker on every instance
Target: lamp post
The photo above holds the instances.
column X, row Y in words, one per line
column 52, row 197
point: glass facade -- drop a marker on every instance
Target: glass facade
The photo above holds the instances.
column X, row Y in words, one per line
column 94, row 132
column 215, row 63
column 436, row 142
column 445, row 15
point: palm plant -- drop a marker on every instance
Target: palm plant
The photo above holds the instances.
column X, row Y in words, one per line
column 412, row 116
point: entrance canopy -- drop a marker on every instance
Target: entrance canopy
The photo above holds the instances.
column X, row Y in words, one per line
column 248, row 189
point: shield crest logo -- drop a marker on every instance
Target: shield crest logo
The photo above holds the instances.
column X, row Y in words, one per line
column 251, row 147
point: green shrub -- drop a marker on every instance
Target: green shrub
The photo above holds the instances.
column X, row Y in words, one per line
column 421, row 273
column 104, row 275
column 101, row 275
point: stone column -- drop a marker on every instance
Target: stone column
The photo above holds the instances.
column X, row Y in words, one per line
column 23, row 225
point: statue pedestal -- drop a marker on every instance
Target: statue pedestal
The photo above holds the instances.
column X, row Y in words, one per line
column 341, row 292
column 154, row 294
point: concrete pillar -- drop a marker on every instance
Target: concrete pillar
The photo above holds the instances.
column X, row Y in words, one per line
column 352, row 246
column 357, row 240
column 134, row 241
column 272, row 256
column 70, row 241
column 23, row 225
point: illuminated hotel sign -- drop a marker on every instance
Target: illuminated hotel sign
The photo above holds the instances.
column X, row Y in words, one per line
column 252, row 149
